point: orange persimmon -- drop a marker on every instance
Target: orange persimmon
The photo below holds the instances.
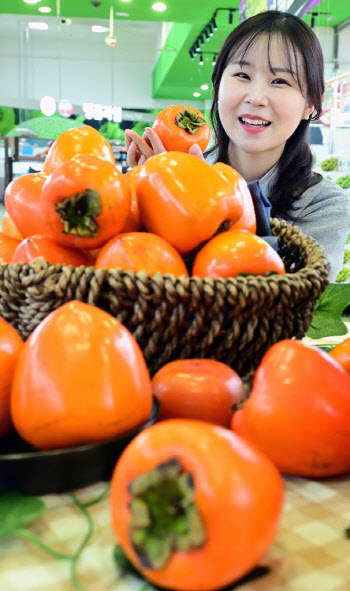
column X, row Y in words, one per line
column 203, row 389
column 79, row 140
column 11, row 345
column 194, row 506
column 141, row 251
column 234, row 252
column 85, row 202
column 298, row 411
column 179, row 127
column 81, row 379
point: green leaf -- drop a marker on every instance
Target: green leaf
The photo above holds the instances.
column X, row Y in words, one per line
column 123, row 563
column 327, row 317
column 18, row 511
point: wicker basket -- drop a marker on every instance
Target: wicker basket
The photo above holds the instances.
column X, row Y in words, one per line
column 234, row 320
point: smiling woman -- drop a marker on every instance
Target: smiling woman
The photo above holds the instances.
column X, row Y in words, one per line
column 268, row 85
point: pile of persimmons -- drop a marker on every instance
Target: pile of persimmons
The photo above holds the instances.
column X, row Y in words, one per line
column 81, row 210
column 196, row 498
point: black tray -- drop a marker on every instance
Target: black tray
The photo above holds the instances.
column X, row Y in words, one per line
column 29, row 471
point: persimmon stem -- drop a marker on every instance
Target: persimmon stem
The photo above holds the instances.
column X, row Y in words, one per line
column 165, row 517
column 189, row 120
column 78, row 213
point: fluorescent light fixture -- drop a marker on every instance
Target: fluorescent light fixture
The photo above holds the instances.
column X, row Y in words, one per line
column 122, row 14
column 31, row 1
column 39, row 26
column 125, row 0
column 159, row 6
column 204, row 87
column 98, row 29
column 44, row 9
column 201, row 60
column 196, row 94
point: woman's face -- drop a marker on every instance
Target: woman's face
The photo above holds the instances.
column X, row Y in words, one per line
column 260, row 110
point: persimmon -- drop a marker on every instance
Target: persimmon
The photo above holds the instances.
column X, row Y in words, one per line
column 179, row 127
column 203, row 389
column 194, row 506
column 141, row 251
column 11, row 345
column 8, row 227
column 341, row 353
column 85, row 202
column 184, row 199
column 247, row 221
column 53, row 252
column 133, row 221
column 81, row 379
column 234, row 252
column 8, row 245
column 22, row 202
column 79, row 140
column 298, row 411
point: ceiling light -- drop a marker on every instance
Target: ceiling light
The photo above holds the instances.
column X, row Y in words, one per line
column 196, row 94
column 44, row 9
column 31, row 1
column 122, row 14
column 204, row 87
column 39, row 26
column 214, row 60
column 201, row 60
column 159, row 6
column 98, row 29
column 213, row 22
column 125, row 0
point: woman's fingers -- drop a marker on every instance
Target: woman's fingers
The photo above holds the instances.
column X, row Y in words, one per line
column 196, row 151
column 152, row 137
column 141, row 144
column 133, row 155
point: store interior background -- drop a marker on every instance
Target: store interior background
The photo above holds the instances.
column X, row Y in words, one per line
column 150, row 67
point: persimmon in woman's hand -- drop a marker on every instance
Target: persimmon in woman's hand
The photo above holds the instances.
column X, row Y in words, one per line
column 179, row 127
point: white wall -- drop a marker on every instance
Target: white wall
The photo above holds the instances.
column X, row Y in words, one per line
column 74, row 63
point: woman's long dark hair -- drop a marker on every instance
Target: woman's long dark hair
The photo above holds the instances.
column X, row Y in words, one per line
column 294, row 174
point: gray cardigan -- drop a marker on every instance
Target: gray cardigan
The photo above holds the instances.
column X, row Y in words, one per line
column 324, row 214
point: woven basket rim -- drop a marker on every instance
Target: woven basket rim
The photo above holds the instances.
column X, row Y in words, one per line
column 315, row 261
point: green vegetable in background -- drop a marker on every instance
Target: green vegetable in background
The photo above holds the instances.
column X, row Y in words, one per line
column 344, row 181
column 343, row 275
column 111, row 131
column 45, row 127
column 7, row 119
column 346, row 256
column 327, row 320
column 329, row 164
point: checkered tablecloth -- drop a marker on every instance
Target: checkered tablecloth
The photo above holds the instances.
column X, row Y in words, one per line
column 309, row 553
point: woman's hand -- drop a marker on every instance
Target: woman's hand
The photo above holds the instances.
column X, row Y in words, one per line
column 139, row 149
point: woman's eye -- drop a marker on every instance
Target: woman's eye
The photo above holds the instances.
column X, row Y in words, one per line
column 242, row 75
column 280, row 81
